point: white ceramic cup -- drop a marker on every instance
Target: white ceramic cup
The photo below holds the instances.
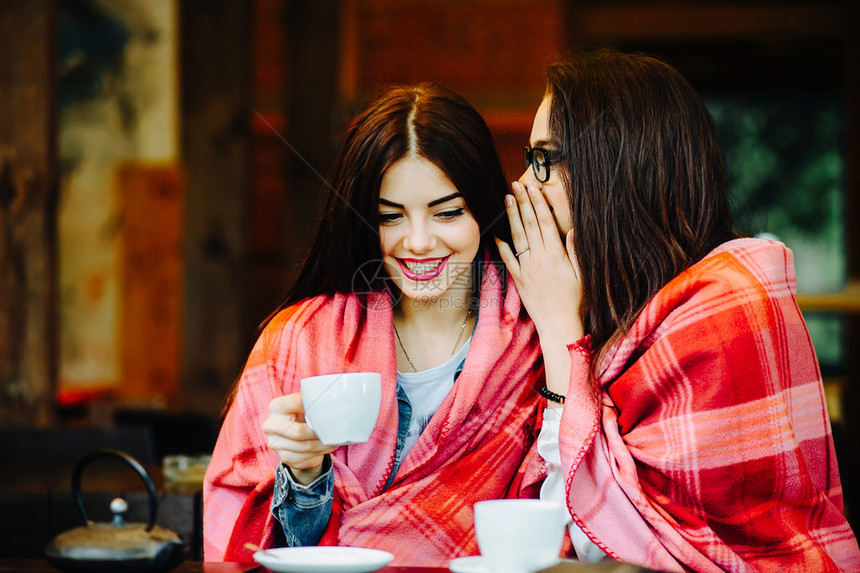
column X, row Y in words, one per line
column 519, row 535
column 342, row 408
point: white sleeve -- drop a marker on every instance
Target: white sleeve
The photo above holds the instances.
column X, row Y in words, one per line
column 553, row 486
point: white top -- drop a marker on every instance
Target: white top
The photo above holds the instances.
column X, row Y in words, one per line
column 553, row 486
column 426, row 390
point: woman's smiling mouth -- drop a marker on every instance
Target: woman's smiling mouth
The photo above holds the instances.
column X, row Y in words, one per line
column 422, row 269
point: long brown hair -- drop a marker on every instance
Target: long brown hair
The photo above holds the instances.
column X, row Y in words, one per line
column 431, row 122
column 424, row 120
column 645, row 177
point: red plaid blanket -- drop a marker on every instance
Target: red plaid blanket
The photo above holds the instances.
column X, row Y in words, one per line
column 471, row 449
column 708, row 446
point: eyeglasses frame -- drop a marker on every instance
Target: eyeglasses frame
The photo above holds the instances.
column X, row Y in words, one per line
column 551, row 157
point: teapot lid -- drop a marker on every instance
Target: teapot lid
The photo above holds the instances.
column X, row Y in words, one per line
column 107, row 542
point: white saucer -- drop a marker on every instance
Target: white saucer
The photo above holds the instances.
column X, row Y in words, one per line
column 323, row 559
column 475, row 564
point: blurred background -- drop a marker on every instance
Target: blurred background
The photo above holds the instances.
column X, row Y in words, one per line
column 161, row 164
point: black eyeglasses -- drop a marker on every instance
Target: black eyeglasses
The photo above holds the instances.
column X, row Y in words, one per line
column 541, row 160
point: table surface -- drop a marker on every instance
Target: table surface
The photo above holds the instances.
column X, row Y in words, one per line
column 42, row 566
column 565, row 566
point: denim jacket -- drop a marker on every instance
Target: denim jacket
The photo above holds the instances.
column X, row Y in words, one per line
column 303, row 511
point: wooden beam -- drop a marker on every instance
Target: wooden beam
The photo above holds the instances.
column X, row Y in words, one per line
column 216, row 82
column 28, row 201
column 313, row 52
column 847, row 301
column 349, row 52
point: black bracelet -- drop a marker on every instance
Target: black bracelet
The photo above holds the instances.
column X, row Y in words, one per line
column 551, row 396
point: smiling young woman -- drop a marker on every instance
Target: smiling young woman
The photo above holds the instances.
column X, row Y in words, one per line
column 403, row 279
column 429, row 241
column 428, row 236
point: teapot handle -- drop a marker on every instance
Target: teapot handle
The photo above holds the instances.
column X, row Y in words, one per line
column 135, row 465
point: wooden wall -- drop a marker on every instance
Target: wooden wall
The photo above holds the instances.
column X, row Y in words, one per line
column 267, row 87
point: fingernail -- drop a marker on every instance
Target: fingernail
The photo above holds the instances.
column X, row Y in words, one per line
column 517, row 188
column 509, row 200
column 532, row 190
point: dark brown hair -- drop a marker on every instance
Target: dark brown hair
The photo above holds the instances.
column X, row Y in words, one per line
column 645, row 178
column 428, row 121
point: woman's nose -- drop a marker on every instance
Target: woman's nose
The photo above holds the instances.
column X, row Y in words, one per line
column 419, row 239
column 527, row 177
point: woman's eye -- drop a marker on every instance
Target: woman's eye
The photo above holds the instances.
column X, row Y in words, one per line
column 388, row 218
column 451, row 213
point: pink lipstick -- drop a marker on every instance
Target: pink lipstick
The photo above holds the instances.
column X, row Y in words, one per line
column 422, row 269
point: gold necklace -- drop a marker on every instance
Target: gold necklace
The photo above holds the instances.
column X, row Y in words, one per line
column 453, row 351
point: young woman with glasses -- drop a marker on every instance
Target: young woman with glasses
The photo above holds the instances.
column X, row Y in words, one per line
column 686, row 426
column 403, row 279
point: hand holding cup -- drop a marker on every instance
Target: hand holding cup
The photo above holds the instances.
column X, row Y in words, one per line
column 331, row 410
column 296, row 444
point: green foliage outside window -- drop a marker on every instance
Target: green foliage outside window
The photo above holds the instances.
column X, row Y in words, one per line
column 785, row 168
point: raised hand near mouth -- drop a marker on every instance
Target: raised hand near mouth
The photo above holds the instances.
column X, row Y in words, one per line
column 547, row 277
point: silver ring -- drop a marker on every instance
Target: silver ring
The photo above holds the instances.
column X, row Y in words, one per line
column 518, row 253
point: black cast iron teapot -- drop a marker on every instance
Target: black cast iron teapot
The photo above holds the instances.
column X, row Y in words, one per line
column 116, row 546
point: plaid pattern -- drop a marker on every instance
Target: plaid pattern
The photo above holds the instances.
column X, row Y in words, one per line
column 471, row 450
column 708, row 446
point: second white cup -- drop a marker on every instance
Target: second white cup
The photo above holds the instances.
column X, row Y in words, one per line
column 519, row 535
column 342, row 408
